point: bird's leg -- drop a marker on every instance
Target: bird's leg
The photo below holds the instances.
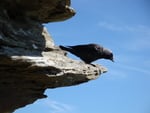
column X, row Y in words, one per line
column 93, row 65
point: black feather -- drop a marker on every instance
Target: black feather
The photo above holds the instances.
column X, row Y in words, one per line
column 89, row 52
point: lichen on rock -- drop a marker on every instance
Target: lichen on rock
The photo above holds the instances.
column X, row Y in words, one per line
column 30, row 61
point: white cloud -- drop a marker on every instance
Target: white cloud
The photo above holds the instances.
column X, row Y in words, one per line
column 110, row 26
column 116, row 74
column 123, row 71
column 58, row 107
column 138, row 35
column 139, row 44
column 133, row 68
column 125, row 28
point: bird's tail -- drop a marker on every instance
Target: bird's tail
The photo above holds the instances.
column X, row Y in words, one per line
column 64, row 48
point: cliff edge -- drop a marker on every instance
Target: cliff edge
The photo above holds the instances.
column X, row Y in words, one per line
column 30, row 61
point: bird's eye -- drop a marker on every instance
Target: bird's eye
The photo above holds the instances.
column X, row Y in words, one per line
column 97, row 48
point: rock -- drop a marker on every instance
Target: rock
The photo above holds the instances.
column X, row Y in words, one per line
column 30, row 61
column 43, row 11
column 23, row 79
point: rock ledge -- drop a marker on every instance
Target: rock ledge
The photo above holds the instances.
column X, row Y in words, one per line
column 30, row 61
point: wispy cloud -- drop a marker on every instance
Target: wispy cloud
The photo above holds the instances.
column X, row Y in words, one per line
column 140, row 44
column 133, row 63
column 138, row 35
column 123, row 71
column 116, row 74
column 58, row 107
column 134, row 68
column 110, row 26
column 125, row 28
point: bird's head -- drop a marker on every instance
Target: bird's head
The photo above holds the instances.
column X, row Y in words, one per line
column 111, row 57
column 107, row 54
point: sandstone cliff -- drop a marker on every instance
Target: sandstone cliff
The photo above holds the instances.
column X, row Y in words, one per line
column 30, row 61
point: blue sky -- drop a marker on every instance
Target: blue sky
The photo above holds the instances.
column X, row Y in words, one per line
column 122, row 26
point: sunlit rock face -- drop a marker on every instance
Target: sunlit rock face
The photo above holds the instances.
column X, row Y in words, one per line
column 30, row 61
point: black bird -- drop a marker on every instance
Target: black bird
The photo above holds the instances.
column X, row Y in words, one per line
column 89, row 52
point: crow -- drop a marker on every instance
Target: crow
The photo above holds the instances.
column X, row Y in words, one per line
column 89, row 52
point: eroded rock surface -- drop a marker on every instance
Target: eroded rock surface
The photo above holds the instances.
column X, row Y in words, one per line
column 30, row 61
column 40, row 10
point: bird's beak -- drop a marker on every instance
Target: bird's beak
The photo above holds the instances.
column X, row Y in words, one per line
column 112, row 60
